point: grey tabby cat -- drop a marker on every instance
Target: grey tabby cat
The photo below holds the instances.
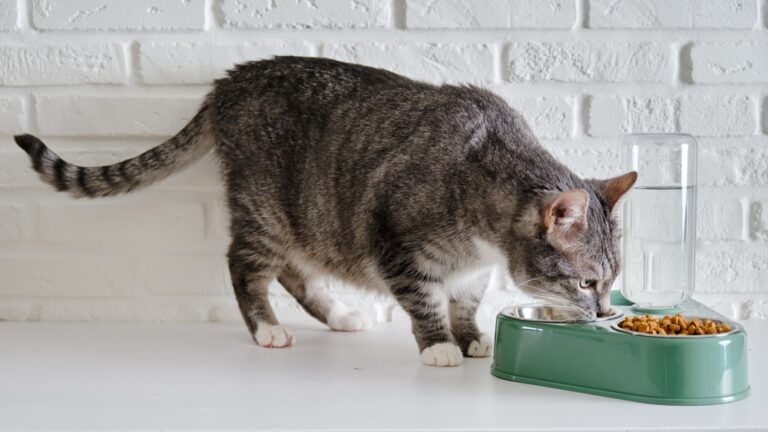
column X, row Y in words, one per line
column 384, row 182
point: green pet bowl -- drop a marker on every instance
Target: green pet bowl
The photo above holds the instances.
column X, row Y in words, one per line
column 546, row 345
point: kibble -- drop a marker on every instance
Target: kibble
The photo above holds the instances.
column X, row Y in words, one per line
column 675, row 325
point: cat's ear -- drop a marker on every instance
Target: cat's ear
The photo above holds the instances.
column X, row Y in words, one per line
column 564, row 216
column 614, row 188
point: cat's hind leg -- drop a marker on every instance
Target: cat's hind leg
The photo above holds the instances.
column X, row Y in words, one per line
column 254, row 262
column 313, row 296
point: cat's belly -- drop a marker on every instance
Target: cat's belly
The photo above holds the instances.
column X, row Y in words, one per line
column 472, row 275
column 365, row 274
column 475, row 272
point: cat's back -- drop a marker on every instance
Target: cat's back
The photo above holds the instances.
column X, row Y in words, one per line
column 303, row 79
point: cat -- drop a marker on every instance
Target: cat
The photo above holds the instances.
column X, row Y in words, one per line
column 399, row 186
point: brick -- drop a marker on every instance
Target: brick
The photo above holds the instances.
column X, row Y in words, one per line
column 63, row 277
column 589, row 162
column 678, row 14
column 114, row 115
column 62, row 64
column 195, row 63
column 731, row 270
column 736, row 308
column 758, row 220
column 490, row 14
column 184, row 275
column 142, row 222
column 8, row 13
column 432, row 14
column 339, row 14
column 12, row 222
column 718, row 217
column 218, row 222
column 729, row 62
column 588, row 62
column 724, row 306
column 754, row 310
column 203, row 174
column 428, row 62
column 718, row 116
column 733, row 166
column 16, row 170
column 11, row 115
column 610, row 116
column 560, row 14
column 227, row 313
column 549, row 117
column 118, row 15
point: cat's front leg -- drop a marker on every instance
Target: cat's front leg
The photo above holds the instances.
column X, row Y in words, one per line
column 427, row 305
column 464, row 301
column 472, row 342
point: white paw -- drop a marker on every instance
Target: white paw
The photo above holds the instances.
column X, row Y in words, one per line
column 442, row 354
column 273, row 336
column 348, row 321
column 480, row 348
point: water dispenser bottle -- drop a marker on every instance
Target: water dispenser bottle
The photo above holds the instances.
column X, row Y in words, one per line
column 659, row 220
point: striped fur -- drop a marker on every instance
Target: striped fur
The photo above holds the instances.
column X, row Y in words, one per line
column 345, row 171
column 155, row 164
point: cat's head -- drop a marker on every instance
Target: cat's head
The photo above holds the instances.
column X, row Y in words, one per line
column 570, row 248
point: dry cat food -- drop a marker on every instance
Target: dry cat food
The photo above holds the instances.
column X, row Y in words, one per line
column 675, row 325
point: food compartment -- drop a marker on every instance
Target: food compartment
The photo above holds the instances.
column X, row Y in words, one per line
column 676, row 326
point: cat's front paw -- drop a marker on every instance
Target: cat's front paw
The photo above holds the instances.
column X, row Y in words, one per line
column 480, row 347
column 442, row 354
column 348, row 321
column 273, row 336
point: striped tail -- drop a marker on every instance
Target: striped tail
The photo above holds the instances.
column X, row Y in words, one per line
column 188, row 145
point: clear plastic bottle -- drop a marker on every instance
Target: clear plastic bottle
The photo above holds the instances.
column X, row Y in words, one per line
column 659, row 220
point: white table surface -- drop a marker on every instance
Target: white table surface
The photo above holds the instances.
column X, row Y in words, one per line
column 212, row 376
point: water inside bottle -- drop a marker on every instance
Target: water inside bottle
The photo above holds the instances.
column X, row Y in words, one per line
column 658, row 245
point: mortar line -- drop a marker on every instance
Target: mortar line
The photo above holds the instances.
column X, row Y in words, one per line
column 24, row 17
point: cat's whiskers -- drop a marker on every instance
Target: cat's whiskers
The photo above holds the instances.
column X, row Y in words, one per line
column 526, row 284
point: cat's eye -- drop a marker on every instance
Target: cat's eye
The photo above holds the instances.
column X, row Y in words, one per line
column 587, row 283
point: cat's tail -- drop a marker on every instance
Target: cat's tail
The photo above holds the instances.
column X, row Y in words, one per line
column 193, row 141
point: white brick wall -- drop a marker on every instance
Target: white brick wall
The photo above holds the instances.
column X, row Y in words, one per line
column 270, row 14
column 107, row 114
column 7, row 15
column 485, row 14
column 102, row 80
column 673, row 14
column 454, row 62
column 51, row 64
column 565, row 61
column 102, row 15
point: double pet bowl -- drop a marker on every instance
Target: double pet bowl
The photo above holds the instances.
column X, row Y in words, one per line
column 547, row 345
